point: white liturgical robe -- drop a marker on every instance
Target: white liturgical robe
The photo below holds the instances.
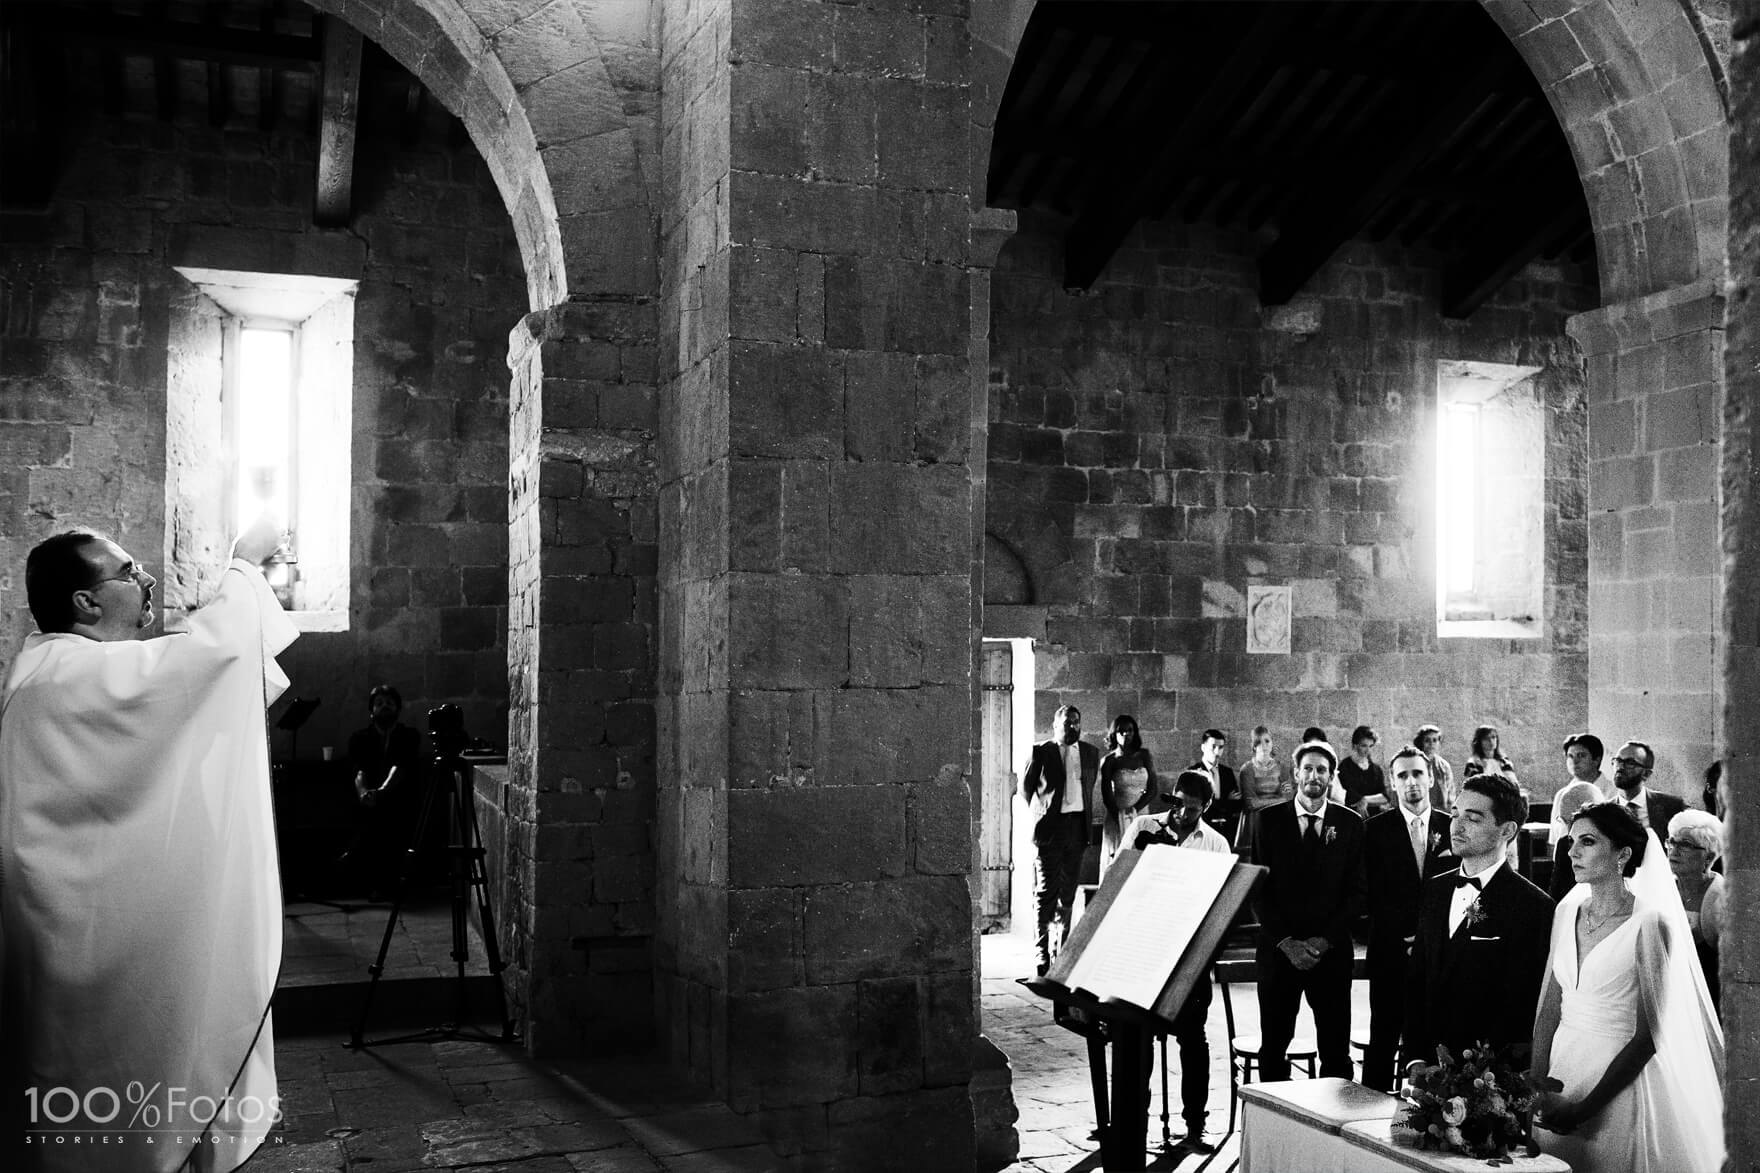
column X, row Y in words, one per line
column 140, row 902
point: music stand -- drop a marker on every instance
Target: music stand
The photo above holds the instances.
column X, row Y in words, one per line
column 299, row 711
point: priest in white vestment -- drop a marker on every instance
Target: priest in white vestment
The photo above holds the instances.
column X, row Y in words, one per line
column 140, row 905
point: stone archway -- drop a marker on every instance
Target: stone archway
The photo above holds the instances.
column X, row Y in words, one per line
column 543, row 91
column 547, row 116
column 1633, row 89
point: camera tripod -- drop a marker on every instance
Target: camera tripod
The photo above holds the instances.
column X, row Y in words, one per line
column 468, row 876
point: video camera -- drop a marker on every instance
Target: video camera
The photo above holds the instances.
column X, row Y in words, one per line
column 446, row 729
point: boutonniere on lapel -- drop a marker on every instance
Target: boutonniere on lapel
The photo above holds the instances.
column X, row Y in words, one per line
column 1475, row 912
column 1331, row 834
column 1438, row 845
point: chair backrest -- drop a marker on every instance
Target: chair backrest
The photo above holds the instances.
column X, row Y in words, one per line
column 1229, row 967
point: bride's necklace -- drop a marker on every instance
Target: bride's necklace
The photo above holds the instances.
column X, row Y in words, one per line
column 1596, row 923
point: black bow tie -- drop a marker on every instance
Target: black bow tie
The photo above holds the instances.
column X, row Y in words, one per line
column 1463, row 881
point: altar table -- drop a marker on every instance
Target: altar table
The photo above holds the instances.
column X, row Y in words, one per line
column 1336, row 1126
column 1372, row 1151
column 1294, row 1126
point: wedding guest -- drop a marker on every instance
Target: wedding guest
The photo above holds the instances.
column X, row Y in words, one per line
column 1401, row 848
column 1265, row 781
column 1632, row 767
column 1306, row 907
column 1480, row 945
column 1695, row 843
column 1058, row 789
column 1222, row 779
column 1711, row 795
column 1487, row 758
column 1128, row 787
column 1582, row 757
column 1565, row 805
column 1184, row 826
column 1428, row 739
column 1625, row 1025
column 1365, row 786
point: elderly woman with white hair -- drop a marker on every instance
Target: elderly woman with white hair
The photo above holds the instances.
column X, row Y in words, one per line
column 1571, row 798
column 1695, row 841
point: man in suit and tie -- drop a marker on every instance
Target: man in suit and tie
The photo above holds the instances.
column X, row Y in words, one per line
column 1401, row 848
column 1059, row 791
column 1483, row 932
column 1222, row 780
column 1306, row 907
column 1632, row 767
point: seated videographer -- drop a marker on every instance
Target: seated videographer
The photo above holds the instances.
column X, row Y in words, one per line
column 389, row 769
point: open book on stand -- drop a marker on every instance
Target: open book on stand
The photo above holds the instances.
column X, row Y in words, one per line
column 1147, row 937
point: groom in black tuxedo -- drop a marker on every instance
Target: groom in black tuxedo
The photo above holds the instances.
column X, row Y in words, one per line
column 1483, row 932
column 1402, row 848
column 1306, row 907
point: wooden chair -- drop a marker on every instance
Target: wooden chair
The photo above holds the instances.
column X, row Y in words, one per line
column 1243, row 1049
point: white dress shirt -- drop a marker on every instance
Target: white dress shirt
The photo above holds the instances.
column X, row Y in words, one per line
column 1465, row 894
column 1072, row 778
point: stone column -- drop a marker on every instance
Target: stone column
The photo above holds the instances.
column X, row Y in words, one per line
column 1740, row 731
column 576, row 871
column 995, row 1139
column 815, row 935
column 1654, row 386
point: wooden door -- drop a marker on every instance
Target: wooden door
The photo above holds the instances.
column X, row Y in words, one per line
column 996, row 803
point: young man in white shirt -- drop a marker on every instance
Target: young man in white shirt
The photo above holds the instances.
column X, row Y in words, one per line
column 1184, row 826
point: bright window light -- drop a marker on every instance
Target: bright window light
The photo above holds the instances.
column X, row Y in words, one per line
column 266, row 427
column 1458, row 494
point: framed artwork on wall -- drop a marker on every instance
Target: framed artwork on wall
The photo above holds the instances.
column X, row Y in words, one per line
column 1268, row 616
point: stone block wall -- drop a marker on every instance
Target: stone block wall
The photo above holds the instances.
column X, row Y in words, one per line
column 1655, row 389
column 1162, row 442
column 576, row 856
column 816, row 924
column 87, row 291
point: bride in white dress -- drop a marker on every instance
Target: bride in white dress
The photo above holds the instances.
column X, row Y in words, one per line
column 1625, row 1023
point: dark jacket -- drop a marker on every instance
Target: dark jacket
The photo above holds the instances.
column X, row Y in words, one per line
column 1483, row 982
column 1044, row 779
column 1312, row 891
column 1394, row 882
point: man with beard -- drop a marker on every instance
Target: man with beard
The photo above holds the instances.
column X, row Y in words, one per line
column 1306, row 907
column 1059, row 791
column 1402, row 848
column 140, row 916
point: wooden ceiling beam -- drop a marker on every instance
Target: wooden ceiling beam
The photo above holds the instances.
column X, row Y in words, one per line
column 339, row 118
column 1344, row 201
column 1098, row 232
column 154, row 34
column 269, row 80
column 1501, row 253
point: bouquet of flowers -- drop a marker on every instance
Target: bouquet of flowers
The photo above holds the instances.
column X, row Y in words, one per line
column 1473, row 1105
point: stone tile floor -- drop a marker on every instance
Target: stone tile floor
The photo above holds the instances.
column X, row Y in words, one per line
column 331, row 942
column 468, row 1103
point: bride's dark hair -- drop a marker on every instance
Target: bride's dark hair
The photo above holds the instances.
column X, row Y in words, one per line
column 1620, row 827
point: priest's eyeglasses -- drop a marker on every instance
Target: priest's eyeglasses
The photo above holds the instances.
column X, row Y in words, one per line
column 134, row 573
